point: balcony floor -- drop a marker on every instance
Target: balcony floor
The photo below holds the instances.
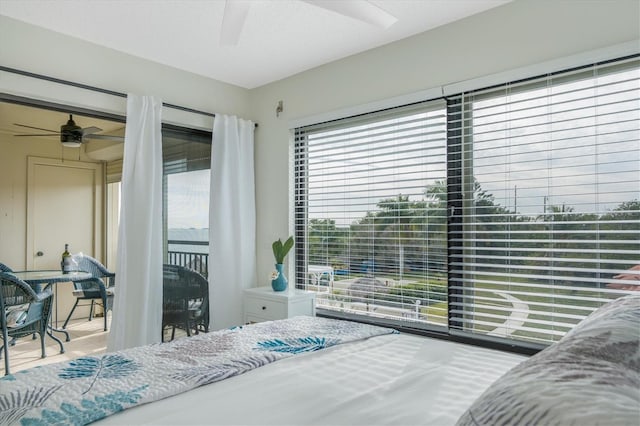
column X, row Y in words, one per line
column 87, row 338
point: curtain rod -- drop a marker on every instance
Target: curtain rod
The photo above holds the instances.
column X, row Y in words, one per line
column 97, row 89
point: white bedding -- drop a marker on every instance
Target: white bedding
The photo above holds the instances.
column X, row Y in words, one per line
column 407, row 380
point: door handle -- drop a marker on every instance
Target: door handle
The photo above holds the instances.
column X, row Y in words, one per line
column 39, row 254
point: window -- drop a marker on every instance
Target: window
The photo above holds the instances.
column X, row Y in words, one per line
column 371, row 214
column 503, row 214
column 548, row 200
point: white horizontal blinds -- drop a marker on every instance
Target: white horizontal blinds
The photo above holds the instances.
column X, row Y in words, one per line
column 550, row 201
column 371, row 204
column 182, row 150
column 185, row 150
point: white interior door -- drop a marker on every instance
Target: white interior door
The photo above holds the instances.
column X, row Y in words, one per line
column 63, row 207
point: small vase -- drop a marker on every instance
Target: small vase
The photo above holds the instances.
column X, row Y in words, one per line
column 280, row 283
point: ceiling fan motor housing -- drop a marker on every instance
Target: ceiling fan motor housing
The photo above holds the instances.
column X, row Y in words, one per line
column 70, row 132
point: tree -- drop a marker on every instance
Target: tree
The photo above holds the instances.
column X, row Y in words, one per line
column 326, row 241
column 401, row 226
column 625, row 219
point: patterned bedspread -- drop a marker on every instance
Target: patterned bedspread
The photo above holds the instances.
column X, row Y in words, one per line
column 87, row 389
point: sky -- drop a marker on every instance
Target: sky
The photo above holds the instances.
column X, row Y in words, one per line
column 588, row 158
column 188, row 199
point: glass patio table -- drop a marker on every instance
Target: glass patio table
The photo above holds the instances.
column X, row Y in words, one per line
column 43, row 279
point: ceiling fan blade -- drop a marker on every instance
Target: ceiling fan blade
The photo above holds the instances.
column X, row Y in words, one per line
column 90, row 130
column 235, row 15
column 37, row 128
column 104, row 137
column 41, row 134
column 361, row 10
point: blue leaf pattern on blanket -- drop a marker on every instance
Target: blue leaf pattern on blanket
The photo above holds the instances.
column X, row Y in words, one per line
column 87, row 389
column 296, row 346
column 89, row 410
column 110, row 366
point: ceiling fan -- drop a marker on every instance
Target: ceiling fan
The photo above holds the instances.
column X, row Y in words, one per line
column 72, row 135
column 235, row 15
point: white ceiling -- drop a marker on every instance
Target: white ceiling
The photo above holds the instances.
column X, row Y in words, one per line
column 279, row 38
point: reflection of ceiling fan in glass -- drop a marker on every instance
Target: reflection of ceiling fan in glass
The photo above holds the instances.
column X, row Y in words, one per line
column 72, row 135
column 235, row 14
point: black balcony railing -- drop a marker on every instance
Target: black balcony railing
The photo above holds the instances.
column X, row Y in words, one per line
column 193, row 260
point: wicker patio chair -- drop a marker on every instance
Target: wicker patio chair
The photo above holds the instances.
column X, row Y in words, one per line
column 5, row 268
column 23, row 312
column 185, row 302
column 100, row 288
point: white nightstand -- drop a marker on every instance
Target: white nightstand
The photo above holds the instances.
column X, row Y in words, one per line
column 264, row 304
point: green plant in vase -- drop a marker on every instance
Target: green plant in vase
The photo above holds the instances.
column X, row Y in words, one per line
column 280, row 251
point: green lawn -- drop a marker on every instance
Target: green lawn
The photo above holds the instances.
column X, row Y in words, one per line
column 555, row 309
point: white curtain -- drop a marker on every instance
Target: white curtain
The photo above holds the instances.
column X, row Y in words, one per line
column 232, row 220
column 137, row 311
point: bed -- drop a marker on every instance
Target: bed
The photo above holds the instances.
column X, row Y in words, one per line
column 326, row 374
column 375, row 381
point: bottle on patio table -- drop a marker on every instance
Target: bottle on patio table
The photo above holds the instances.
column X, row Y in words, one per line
column 66, row 263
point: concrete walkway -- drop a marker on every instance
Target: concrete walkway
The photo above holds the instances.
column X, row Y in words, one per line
column 516, row 319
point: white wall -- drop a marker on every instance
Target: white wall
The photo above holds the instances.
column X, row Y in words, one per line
column 30, row 48
column 516, row 35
